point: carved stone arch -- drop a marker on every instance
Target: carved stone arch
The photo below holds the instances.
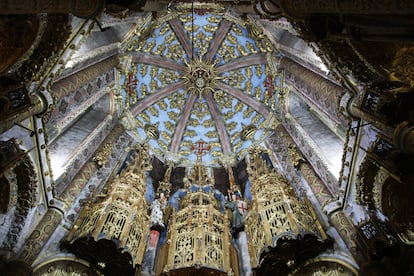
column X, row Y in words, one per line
column 326, row 266
column 396, row 204
column 21, row 178
column 64, row 266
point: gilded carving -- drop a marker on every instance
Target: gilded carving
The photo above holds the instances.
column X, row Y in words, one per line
column 23, row 180
column 396, row 201
column 198, row 232
column 107, row 217
column 48, row 51
column 64, row 267
column 295, row 156
column 402, row 68
column 102, row 156
column 276, row 211
column 200, row 77
column 326, row 266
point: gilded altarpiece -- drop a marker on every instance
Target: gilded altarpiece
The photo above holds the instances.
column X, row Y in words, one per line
column 117, row 214
column 196, row 234
column 198, row 238
column 276, row 212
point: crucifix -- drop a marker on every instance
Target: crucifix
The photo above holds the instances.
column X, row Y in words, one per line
column 268, row 83
column 130, row 85
column 199, row 148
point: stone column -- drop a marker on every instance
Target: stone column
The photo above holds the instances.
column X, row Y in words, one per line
column 40, row 235
column 38, row 106
column 80, row 8
column 77, row 184
column 347, row 231
column 71, row 83
column 315, row 89
column 150, row 254
column 243, row 252
column 353, row 108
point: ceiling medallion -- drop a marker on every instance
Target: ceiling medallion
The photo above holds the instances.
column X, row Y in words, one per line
column 200, row 77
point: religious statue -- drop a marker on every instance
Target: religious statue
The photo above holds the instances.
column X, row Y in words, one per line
column 157, row 212
column 239, row 211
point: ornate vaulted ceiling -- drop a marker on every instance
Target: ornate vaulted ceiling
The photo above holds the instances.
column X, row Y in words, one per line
column 199, row 77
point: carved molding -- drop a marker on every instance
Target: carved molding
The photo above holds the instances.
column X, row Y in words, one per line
column 23, row 173
column 47, row 52
column 64, row 267
column 40, row 235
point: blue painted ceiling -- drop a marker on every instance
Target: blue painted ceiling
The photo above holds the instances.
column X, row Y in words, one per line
column 202, row 74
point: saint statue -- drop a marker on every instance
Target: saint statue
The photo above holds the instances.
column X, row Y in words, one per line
column 239, row 211
column 157, row 212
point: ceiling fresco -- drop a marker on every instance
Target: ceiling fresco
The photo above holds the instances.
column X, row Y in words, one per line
column 199, row 80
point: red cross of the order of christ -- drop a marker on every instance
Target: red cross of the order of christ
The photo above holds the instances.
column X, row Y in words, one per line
column 131, row 84
column 242, row 207
column 200, row 147
column 268, row 83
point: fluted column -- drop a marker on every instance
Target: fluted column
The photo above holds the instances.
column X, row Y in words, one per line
column 40, row 235
column 80, row 8
column 316, row 90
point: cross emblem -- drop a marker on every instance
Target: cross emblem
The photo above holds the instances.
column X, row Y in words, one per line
column 268, row 83
column 242, row 207
column 200, row 147
column 131, row 84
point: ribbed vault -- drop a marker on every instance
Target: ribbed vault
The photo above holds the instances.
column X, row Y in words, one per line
column 200, row 75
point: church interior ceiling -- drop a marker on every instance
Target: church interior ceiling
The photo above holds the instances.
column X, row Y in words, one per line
column 200, row 77
column 325, row 98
